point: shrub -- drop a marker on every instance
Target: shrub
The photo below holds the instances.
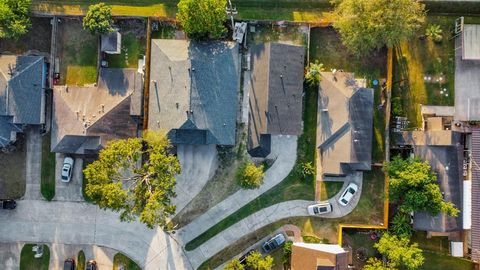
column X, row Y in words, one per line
column 251, row 176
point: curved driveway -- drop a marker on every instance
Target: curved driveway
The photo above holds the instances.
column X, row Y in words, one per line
column 261, row 218
column 86, row 224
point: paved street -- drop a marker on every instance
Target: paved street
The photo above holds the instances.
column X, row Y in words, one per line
column 85, row 224
column 284, row 149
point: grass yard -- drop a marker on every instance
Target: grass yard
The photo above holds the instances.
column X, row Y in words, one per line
column 121, row 260
column 78, row 53
column 47, row 184
column 28, row 262
column 359, row 240
column 133, row 44
column 38, row 38
column 433, row 260
column 13, row 168
column 424, row 71
column 272, row 32
column 307, row 11
column 330, row 189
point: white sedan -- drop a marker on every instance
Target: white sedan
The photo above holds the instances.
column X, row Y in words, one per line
column 348, row 194
column 67, row 169
column 319, row 209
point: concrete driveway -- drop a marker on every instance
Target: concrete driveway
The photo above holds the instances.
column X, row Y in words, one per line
column 71, row 191
column 199, row 163
column 33, row 163
column 80, row 223
column 10, row 255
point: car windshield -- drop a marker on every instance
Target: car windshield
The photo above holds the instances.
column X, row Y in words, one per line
column 315, row 210
column 323, row 209
column 344, row 201
column 351, row 190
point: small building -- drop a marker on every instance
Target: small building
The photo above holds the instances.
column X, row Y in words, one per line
column 194, row 91
column 467, row 70
column 85, row 119
column 111, row 43
column 318, row 257
column 275, row 97
column 22, row 94
column 345, row 125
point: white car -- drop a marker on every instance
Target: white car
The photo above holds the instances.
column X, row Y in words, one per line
column 67, row 169
column 319, row 209
column 348, row 194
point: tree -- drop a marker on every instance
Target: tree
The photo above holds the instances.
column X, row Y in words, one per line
column 250, row 176
column 287, row 252
column 314, row 76
column 14, row 18
column 202, row 18
column 375, row 264
column 400, row 252
column 255, row 261
column 434, row 32
column 414, row 187
column 98, row 19
column 401, row 226
column 119, row 182
column 234, row 265
column 366, row 25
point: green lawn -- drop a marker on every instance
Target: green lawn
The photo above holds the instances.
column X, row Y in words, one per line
column 78, row 53
column 47, row 184
column 434, row 260
column 81, row 260
column 132, row 48
column 293, row 187
column 13, row 168
column 359, row 240
column 121, row 260
column 28, row 262
column 330, row 189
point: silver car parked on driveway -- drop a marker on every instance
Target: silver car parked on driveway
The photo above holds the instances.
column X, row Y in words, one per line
column 67, row 169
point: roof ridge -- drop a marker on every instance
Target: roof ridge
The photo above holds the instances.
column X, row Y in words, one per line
column 109, row 111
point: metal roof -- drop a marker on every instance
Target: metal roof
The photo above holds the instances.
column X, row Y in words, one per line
column 194, row 83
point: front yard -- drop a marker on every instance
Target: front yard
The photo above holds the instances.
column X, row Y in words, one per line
column 13, row 168
column 121, row 261
column 78, row 53
column 28, row 262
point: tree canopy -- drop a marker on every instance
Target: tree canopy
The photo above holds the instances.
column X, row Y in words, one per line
column 120, row 181
column 250, row 176
column 366, row 25
column 234, row 265
column 400, row 252
column 255, row 261
column 414, row 187
column 98, row 19
column 314, row 76
column 202, row 18
column 376, row 264
column 14, row 18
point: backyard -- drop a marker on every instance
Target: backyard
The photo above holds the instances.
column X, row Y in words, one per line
column 37, row 39
column 78, row 53
column 134, row 35
column 13, row 168
column 424, row 71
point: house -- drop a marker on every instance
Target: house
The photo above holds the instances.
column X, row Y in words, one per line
column 86, row 118
column 307, row 256
column 111, row 42
column 194, row 91
column 275, row 97
column 467, row 68
column 22, row 94
column 345, row 123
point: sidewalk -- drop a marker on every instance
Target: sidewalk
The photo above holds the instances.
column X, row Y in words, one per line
column 284, row 148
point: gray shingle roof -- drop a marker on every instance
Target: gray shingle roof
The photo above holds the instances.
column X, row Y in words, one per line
column 446, row 163
column 475, row 229
column 77, row 144
column 194, row 87
column 276, row 93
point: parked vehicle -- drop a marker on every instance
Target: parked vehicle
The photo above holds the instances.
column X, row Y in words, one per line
column 9, row 204
column 91, row 265
column 348, row 194
column 67, row 169
column 243, row 259
column 273, row 243
column 69, row 264
column 319, row 209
